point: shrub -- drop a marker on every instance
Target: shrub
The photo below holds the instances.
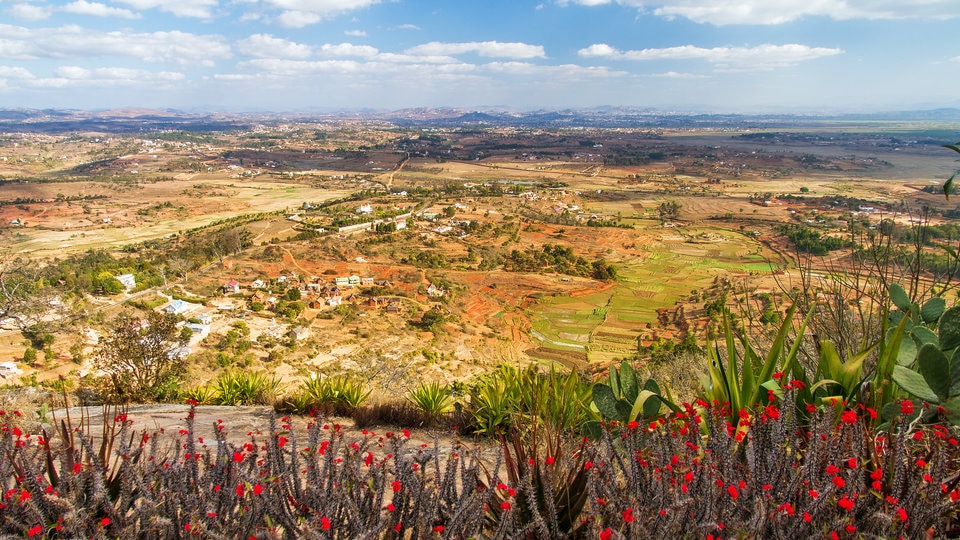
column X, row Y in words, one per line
column 433, row 399
column 235, row 387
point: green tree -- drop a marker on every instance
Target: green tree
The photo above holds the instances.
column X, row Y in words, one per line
column 142, row 357
column 669, row 210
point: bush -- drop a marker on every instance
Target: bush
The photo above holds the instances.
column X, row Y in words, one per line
column 245, row 388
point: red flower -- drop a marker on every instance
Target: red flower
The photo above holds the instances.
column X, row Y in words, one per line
column 732, row 490
column 438, row 529
column 396, row 486
column 237, row 457
column 606, row 534
column 901, row 514
column 35, row 530
column 391, row 507
column 848, row 416
column 633, row 424
column 505, row 505
column 832, row 469
column 845, row 503
column 852, row 463
column 257, row 489
column 906, row 407
column 628, row 515
column 240, row 490
column 369, row 459
column 325, row 523
column 839, row 481
column 105, row 521
column 550, row 460
column 76, row 468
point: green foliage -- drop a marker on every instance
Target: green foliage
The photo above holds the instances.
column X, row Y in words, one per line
column 143, row 358
column 623, row 399
column 339, row 394
column 669, row 210
column 201, row 395
column 808, row 240
column 237, row 387
column 514, row 397
column 742, row 380
column 29, row 356
column 434, row 399
column 927, row 365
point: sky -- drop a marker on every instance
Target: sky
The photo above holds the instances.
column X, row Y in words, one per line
column 718, row 56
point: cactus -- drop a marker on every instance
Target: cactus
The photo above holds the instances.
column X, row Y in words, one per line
column 928, row 364
column 624, row 400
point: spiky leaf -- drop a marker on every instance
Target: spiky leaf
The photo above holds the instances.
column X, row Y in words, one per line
column 932, row 309
column 933, row 365
column 913, row 382
column 950, row 329
column 899, row 297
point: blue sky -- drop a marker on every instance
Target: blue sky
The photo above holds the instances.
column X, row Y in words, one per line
column 731, row 56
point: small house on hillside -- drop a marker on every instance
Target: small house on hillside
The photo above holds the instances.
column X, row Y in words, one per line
column 299, row 333
column 177, row 307
column 231, row 287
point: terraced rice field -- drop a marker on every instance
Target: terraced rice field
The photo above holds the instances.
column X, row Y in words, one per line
column 606, row 325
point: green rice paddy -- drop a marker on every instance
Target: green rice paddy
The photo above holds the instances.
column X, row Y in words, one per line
column 607, row 325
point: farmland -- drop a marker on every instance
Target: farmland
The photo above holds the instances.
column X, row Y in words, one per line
column 443, row 220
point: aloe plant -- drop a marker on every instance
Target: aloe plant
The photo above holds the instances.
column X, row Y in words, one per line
column 742, row 382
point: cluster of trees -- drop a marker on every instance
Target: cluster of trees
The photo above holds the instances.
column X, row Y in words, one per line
column 558, row 259
column 810, row 241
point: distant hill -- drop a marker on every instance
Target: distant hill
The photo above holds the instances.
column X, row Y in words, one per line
column 133, row 120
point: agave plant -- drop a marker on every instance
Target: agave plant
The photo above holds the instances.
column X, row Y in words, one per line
column 741, row 382
column 236, row 387
column 433, row 398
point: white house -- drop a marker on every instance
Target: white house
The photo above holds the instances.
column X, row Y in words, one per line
column 177, row 307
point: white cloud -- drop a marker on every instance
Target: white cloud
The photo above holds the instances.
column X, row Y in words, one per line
column 355, row 33
column 15, row 72
column 408, row 26
column 30, row 12
column 96, row 9
column 676, row 75
column 723, row 12
column 494, row 49
column 74, row 42
column 300, row 13
column 267, row 46
column 348, row 49
column 563, row 71
column 200, row 9
column 116, row 74
column 298, row 19
column 760, row 57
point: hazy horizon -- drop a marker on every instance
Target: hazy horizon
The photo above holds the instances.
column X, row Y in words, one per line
column 698, row 56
